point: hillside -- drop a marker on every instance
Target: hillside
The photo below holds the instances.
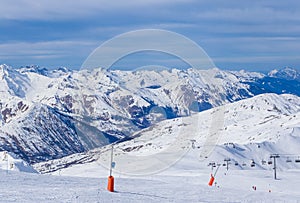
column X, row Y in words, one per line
column 252, row 128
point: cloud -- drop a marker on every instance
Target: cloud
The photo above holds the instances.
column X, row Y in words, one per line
column 57, row 30
column 40, row 48
column 260, row 15
column 70, row 9
column 257, row 43
column 257, row 62
column 148, row 40
column 47, row 53
column 260, row 59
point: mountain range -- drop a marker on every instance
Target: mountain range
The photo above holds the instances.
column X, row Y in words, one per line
column 50, row 114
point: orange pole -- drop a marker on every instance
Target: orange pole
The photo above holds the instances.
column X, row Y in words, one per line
column 110, row 185
column 211, row 181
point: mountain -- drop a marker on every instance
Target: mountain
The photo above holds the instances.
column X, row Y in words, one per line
column 282, row 81
column 253, row 129
column 12, row 82
column 49, row 114
column 286, row 73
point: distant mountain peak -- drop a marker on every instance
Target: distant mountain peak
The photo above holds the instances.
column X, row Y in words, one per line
column 4, row 66
column 4, row 70
column 34, row 69
column 287, row 73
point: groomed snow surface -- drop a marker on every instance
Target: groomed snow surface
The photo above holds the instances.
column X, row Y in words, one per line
column 185, row 181
column 235, row 186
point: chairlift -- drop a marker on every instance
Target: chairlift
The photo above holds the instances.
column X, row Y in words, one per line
column 263, row 162
column 244, row 164
column 224, row 164
column 297, row 160
column 236, row 163
column 270, row 162
column 213, row 164
column 193, row 143
column 252, row 163
column 288, row 160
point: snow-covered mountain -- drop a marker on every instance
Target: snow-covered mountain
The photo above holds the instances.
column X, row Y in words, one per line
column 50, row 114
column 286, row 73
column 253, row 129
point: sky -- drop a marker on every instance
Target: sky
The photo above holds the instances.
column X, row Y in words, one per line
column 255, row 35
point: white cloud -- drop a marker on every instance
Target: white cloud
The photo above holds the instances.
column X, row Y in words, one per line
column 48, row 49
column 250, row 45
column 261, row 15
column 223, row 28
column 70, row 9
column 256, row 59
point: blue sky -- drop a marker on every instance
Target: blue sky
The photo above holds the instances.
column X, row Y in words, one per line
column 250, row 35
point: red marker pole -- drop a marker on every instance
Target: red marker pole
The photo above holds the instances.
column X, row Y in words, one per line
column 110, row 185
column 212, row 177
column 211, row 181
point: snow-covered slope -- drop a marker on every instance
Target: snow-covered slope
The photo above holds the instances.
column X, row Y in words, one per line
column 12, row 82
column 10, row 162
column 253, row 128
column 235, row 186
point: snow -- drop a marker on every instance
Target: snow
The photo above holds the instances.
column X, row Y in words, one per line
column 10, row 162
column 158, row 164
column 246, row 76
column 185, row 186
column 115, row 104
column 250, row 134
column 285, row 73
column 247, row 123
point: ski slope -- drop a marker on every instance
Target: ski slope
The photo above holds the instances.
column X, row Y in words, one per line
column 191, row 186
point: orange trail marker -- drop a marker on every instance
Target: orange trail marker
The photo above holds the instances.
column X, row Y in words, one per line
column 211, row 181
column 110, row 185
